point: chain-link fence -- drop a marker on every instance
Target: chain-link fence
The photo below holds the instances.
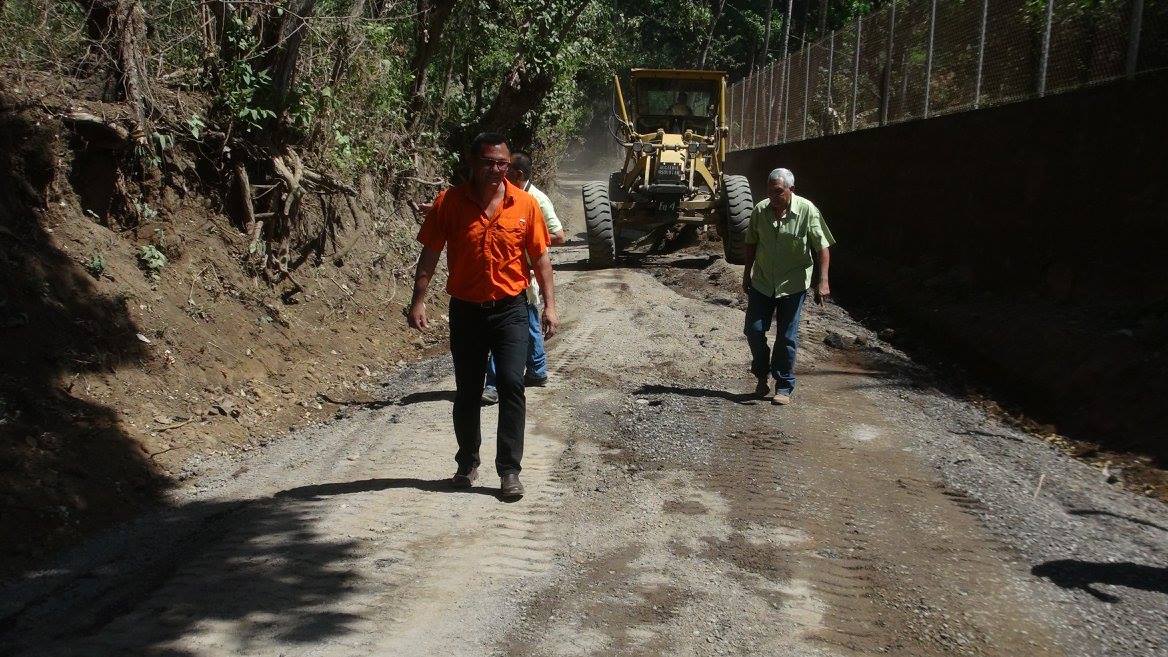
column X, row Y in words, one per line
column 915, row 59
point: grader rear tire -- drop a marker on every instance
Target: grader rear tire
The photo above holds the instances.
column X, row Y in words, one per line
column 598, row 220
column 736, row 208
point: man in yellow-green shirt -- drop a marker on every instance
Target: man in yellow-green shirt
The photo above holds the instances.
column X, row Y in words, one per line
column 786, row 238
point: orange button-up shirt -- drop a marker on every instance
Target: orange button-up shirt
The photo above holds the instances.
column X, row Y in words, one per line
column 485, row 255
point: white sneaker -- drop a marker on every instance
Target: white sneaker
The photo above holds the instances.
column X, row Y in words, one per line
column 490, row 396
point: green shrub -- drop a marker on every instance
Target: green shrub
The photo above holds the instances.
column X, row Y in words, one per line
column 152, row 261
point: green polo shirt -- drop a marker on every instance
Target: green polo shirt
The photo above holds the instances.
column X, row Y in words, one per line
column 783, row 246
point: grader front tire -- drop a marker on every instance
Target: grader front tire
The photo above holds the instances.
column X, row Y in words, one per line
column 736, row 209
column 599, row 222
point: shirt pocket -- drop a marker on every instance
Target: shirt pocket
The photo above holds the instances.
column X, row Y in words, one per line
column 789, row 244
column 510, row 238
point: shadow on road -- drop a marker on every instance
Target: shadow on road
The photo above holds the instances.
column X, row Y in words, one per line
column 368, row 485
column 744, row 398
column 241, row 572
column 642, row 261
column 426, row 396
column 582, row 265
column 1075, row 574
column 256, row 570
column 1097, row 512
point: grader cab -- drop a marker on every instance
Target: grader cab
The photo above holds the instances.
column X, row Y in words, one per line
column 675, row 137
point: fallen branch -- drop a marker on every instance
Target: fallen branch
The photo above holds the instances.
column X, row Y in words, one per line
column 116, row 134
column 174, row 426
column 327, row 184
column 421, row 181
column 342, row 288
column 168, row 449
column 168, row 78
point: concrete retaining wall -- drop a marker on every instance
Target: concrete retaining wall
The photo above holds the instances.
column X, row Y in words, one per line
column 1029, row 241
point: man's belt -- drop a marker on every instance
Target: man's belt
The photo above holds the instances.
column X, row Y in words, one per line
column 486, row 305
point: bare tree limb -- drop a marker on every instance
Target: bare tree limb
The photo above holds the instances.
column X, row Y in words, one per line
column 243, row 183
column 116, row 135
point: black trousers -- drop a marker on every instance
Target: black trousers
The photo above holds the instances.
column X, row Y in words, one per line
column 476, row 332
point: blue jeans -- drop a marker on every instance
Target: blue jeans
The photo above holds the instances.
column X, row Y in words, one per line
column 536, row 356
column 760, row 309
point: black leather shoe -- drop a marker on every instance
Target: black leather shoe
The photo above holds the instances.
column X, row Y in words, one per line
column 763, row 388
column 534, row 381
column 464, row 478
column 510, row 487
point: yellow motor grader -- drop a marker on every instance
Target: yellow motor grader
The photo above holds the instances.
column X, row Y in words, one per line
column 675, row 138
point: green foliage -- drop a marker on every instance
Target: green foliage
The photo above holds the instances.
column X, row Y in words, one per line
column 349, row 107
column 151, row 260
column 25, row 24
column 245, row 93
column 96, row 265
column 257, row 247
column 241, row 89
column 195, row 125
column 145, row 212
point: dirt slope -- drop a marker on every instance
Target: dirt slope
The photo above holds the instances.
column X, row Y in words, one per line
column 667, row 513
column 115, row 381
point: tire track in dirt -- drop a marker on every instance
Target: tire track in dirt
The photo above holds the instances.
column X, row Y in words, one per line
column 808, row 517
column 651, row 574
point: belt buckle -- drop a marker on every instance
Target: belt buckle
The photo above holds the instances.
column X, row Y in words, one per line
column 494, row 303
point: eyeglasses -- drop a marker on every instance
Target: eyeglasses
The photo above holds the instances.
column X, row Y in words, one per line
column 488, row 163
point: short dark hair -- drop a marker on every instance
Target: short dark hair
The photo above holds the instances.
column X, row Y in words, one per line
column 487, row 139
column 521, row 160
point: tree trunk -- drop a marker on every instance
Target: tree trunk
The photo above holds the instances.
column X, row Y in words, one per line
column 520, row 93
column 787, row 27
column 766, row 39
column 432, row 16
column 118, row 27
column 344, row 48
column 524, row 89
column 718, row 6
column 213, row 16
column 285, row 31
column 447, row 83
column 823, row 5
column 806, row 21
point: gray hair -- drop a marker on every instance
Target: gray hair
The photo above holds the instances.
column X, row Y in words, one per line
column 783, row 175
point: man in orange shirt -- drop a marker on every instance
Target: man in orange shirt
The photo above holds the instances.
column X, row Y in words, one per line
column 490, row 229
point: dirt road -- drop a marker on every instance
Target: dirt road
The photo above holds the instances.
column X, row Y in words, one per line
column 667, row 513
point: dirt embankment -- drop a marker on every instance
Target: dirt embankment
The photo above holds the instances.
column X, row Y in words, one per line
column 120, row 371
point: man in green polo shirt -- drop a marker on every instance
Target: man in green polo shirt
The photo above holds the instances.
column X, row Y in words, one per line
column 785, row 230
